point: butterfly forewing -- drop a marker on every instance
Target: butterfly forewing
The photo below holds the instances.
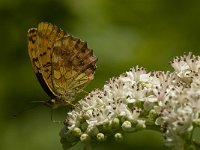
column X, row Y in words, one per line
column 33, row 54
column 47, row 35
column 32, row 49
column 63, row 64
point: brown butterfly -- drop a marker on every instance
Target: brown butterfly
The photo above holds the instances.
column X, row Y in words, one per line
column 62, row 63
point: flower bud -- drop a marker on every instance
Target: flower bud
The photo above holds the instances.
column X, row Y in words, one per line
column 126, row 126
column 76, row 131
column 118, row 137
column 100, row 137
column 85, row 137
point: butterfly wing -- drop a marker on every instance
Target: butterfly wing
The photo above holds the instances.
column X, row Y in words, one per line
column 33, row 54
column 63, row 64
column 40, row 47
column 73, row 65
column 32, row 49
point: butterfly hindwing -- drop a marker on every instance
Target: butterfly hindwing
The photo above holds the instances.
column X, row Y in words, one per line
column 73, row 65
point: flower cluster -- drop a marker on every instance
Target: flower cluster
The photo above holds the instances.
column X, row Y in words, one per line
column 180, row 112
column 139, row 100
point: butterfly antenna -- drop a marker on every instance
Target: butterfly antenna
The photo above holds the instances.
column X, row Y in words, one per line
column 38, row 102
column 27, row 108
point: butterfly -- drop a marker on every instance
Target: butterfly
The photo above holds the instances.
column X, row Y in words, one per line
column 62, row 63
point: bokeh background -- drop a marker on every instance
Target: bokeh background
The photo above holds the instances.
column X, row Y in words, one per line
column 123, row 33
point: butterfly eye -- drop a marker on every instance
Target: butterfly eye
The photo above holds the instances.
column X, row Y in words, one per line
column 51, row 102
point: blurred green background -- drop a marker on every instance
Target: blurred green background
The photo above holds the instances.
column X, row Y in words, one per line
column 123, row 33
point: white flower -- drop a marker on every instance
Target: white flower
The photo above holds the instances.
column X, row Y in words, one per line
column 138, row 99
column 186, row 66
